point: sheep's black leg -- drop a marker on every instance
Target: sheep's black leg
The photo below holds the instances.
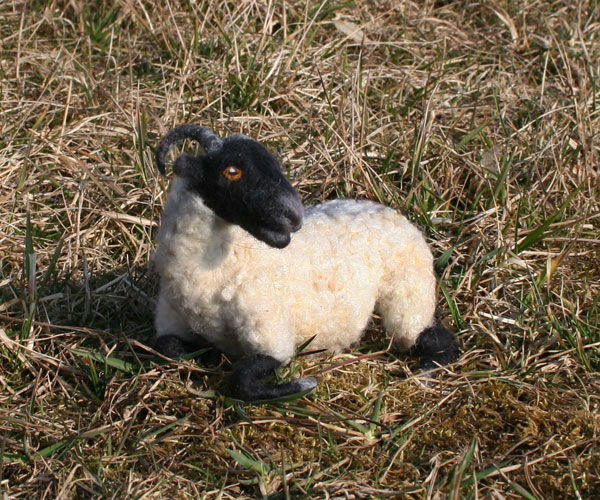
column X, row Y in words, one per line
column 436, row 346
column 245, row 382
column 174, row 347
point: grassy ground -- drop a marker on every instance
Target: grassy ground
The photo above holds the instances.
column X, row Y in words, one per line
column 480, row 121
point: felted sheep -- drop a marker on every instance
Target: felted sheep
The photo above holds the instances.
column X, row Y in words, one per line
column 233, row 276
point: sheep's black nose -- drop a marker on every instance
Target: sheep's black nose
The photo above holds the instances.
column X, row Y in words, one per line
column 294, row 212
column 297, row 222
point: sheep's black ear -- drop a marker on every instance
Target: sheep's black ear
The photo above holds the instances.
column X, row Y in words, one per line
column 188, row 167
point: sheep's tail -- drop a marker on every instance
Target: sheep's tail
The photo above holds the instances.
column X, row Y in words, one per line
column 209, row 141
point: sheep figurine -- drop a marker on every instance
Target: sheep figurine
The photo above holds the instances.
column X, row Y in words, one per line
column 243, row 268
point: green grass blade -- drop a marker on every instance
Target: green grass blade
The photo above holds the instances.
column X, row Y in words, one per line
column 157, row 432
column 471, row 135
column 119, row 364
column 58, row 447
column 538, row 234
column 247, row 462
column 51, row 265
column 522, row 491
column 452, row 306
column 461, row 468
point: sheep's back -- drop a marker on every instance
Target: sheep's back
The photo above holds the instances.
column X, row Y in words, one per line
column 344, row 259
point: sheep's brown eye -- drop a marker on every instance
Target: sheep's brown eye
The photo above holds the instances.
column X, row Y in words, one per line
column 232, row 173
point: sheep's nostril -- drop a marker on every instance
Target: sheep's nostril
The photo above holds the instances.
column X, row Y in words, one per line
column 296, row 226
column 296, row 219
column 294, row 212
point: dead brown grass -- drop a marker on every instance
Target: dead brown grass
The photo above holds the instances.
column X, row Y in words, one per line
column 479, row 121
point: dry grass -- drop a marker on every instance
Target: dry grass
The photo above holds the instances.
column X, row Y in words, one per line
column 478, row 120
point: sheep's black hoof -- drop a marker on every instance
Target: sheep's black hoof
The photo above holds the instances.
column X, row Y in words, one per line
column 175, row 348
column 436, row 347
column 246, row 381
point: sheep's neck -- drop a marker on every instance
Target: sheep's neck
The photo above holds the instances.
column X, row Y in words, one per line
column 218, row 243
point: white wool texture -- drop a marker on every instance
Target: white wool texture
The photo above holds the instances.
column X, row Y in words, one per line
column 244, row 297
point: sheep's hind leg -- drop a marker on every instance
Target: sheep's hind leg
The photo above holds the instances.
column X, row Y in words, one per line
column 436, row 346
column 246, row 380
column 408, row 313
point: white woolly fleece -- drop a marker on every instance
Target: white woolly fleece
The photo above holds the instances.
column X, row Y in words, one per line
column 245, row 297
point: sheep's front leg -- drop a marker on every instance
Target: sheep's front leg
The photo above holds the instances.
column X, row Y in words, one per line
column 246, row 381
column 175, row 347
column 266, row 343
column 174, row 339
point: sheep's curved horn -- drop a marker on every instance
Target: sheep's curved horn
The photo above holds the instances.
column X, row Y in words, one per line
column 209, row 141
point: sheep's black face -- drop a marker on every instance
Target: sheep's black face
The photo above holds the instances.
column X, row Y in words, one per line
column 243, row 184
